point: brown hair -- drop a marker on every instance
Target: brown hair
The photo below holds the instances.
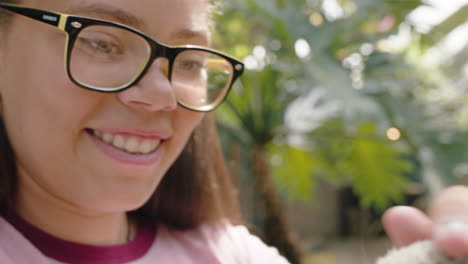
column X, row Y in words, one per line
column 196, row 189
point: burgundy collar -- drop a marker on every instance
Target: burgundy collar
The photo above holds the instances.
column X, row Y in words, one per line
column 75, row 253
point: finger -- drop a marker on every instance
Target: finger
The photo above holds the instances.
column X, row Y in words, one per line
column 406, row 225
column 449, row 211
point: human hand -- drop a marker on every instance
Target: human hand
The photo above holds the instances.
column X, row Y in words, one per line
column 446, row 223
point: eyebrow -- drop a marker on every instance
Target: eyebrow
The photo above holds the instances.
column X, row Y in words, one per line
column 185, row 34
column 128, row 19
column 117, row 14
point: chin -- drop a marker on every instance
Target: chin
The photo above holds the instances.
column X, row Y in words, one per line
column 115, row 202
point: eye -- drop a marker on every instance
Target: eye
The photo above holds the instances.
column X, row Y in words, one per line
column 191, row 61
column 102, row 43
column 97, row 45
column 190, row 65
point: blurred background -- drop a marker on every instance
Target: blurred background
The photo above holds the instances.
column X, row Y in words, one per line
column 347, row 107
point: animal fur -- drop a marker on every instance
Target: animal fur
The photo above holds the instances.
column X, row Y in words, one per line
column 423, row 252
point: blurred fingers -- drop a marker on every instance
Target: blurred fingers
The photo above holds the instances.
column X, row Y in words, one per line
column 406, row 225
column 449, row 211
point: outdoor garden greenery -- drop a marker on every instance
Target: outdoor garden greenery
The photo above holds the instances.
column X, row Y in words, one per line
column 341, row 91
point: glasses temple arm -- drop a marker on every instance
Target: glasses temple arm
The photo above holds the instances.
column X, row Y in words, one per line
column 51, row 18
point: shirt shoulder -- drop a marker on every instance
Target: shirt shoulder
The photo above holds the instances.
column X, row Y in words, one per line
column 237, row 243
column 15, row 248
column 222, row 243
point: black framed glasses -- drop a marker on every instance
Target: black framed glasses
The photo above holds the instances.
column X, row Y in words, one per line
column 110, row 57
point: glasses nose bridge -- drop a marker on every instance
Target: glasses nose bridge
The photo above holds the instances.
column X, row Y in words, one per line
column 159, row 50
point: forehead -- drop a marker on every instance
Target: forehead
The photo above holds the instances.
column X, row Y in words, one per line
column 164, row 20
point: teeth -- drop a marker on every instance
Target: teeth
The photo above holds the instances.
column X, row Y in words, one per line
column 129, row 144
column 132, row 145
column 108, row 138
column 147, row 146
column 119, row 142
column 97, row 133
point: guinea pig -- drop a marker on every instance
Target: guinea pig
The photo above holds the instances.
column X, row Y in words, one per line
column 423, row 252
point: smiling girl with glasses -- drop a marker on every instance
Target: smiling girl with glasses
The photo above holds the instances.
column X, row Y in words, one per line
column 108, row 152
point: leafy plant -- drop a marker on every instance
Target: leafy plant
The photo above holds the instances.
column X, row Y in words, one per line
column 322, row 91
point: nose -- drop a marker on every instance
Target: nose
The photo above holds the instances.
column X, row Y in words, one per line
column 153, row 92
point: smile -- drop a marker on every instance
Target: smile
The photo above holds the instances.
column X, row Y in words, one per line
column 130, row 147
column 128, row 143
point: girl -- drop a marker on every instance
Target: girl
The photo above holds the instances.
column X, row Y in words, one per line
column 91, row 167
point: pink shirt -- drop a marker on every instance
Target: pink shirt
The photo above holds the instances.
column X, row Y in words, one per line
column 208, row 245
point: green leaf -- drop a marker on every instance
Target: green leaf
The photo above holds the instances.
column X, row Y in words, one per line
column 377, row 169
column 292, row 170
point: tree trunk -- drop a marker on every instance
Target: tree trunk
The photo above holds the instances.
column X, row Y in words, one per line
column 274, row 225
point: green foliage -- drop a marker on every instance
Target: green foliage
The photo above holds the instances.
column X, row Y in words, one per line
column 292, row 169
column 376, row 90
column 256, row 106
column 370, row 163
column 377, row 169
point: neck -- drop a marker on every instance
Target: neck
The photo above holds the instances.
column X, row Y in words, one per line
column 70, row 222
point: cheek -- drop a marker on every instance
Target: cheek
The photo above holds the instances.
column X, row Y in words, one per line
column 43, row 105
column 184, row 122
column 42, row 109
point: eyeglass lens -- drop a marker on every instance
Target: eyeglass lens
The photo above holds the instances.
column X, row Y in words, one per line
column 108, row 58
